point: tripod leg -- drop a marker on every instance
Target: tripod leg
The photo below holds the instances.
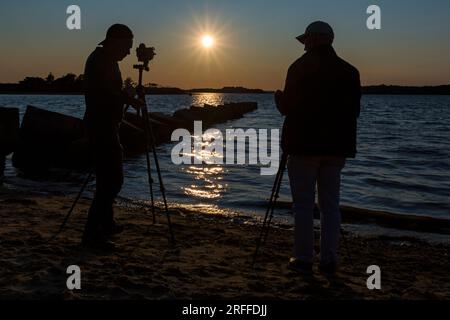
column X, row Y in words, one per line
column 147, row 157
column 149, row 132
column 261, row 234
column 162, row 188
column 150, row 182
column 270, row 208
column 86, row 181
column 275, row 198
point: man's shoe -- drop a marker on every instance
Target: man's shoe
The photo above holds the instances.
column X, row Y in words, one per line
column 328, row 269
column 300, row 266
column 113, row 229
column 97, row 242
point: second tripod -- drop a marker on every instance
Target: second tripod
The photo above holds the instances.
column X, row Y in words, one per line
column 145, row 55
column 271, row 207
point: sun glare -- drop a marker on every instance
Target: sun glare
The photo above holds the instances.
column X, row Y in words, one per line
column 207, row 41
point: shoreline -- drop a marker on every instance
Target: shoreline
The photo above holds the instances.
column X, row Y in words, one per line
column 399, row 221
column 149, row 94
column 210, row 260
column 189, row 93
column 350, row 214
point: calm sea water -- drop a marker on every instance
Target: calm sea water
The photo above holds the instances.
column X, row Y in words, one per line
column 403, row 164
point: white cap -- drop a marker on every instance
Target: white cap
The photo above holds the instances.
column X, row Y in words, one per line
column 317, row 28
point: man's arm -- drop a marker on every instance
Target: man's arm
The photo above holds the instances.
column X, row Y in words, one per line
column 279, row 102
column 358, row 93
column 288, row 99
column 99, row 82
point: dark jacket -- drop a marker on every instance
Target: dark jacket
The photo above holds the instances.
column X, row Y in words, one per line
column 103, row 95
column 322, row 103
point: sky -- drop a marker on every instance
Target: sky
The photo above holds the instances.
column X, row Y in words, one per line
column 254, row 39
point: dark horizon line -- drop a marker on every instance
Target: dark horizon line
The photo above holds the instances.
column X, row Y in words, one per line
column 72, row 84
column 270, row 90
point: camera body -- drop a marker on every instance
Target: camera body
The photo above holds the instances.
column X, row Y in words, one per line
column 144, row 54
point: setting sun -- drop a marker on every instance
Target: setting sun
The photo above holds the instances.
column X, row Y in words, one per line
column 207, row 41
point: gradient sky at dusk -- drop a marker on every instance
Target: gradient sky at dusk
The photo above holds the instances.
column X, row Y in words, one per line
column 255, row 39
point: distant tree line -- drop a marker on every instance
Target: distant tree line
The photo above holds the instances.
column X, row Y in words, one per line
column 403, row 90
column 73, row 84
column 69, row 83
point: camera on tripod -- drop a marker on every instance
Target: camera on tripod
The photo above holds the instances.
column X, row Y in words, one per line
column 144, row 54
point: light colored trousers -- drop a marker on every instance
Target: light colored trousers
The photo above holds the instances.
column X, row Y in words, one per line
column 304, row 173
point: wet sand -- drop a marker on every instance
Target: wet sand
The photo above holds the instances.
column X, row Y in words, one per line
column 210, row 260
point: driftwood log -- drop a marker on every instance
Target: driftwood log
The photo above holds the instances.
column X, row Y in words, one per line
column 53, row 140
column 9, row 130
column 9, row 134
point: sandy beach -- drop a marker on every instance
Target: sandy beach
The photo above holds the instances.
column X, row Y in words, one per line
column 210, row 260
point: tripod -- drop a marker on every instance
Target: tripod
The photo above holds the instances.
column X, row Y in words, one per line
column 148, row 133
column 270, row 210
column 271, row 207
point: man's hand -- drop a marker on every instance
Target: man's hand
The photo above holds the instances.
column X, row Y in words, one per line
column 279, row 101
column 136, row 103
column 130, row 100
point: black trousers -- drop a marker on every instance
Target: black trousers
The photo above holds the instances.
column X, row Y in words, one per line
column 107, row 155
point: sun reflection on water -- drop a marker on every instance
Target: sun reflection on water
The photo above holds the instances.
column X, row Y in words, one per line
column 200, row 99
column 203, row 208
column 207, row 184
column 207, row 177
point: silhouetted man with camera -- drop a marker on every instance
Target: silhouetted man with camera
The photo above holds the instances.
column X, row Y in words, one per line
column 105, row 101
column 321, row 102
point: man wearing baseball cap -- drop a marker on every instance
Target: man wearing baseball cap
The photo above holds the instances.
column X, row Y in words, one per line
column 105, row 100
column 321, row 102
